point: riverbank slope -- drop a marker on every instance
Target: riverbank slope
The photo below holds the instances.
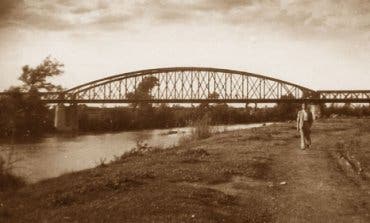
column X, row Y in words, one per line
column 257, row 175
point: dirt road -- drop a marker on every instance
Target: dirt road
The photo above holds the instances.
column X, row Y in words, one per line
column 317, row 189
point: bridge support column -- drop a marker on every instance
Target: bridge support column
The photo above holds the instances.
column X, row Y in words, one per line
column 66, row 118
column 316, row 111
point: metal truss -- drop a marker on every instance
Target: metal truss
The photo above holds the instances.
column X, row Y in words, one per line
column 189, row 84
column 198, row 84
column 345, row 96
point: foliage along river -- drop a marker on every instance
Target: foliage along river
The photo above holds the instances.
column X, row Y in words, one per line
column 58, row 154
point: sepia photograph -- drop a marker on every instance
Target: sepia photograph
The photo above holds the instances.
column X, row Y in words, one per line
column 176, row 111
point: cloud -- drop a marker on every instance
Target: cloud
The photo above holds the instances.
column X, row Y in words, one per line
column 82, row 10
column 221, row 5
column 61, row 15
column 7, row 7
column 297, row 16
column 328, row 16
column 89, row 7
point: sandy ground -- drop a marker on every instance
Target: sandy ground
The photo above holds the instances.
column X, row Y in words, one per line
column 257, row 175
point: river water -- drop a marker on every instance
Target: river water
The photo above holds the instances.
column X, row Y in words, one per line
column 58, row 154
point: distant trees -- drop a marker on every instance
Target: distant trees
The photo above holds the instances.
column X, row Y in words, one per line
column 346, row 110
column 286, row 111
column 165, row 117
column 143, row 91
column 25, row 114
column 143, row 110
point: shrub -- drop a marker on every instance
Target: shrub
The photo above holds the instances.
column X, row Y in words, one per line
column 202, row 128
column 351, row 151
column 140, row 149
column 7, row 179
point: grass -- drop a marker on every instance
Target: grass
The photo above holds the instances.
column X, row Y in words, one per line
column 363, row 127
column 193, row 155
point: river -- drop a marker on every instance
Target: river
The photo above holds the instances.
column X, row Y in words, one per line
column 59, row 154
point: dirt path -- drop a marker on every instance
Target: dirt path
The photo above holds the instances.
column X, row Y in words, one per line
column 316, row 190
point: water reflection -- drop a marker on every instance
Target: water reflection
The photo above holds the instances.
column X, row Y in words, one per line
column 53, row 156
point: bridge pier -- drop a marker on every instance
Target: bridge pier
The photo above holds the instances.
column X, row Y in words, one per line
column 316, row 111
column 66, row 118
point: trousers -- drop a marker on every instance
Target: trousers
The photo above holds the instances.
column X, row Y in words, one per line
column 305, row 132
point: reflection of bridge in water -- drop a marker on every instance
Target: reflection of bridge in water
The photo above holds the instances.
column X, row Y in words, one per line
column 197, row 84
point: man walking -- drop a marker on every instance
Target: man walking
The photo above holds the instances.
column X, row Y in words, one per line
column 304, row 123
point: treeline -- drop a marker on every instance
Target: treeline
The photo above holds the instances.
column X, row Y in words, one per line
column 345, row 110
column 24, row 115
column 163, row 116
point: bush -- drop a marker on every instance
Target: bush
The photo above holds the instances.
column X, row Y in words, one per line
column 7, row 179
column 202, row 128
column 351, row 151
column 140, row 149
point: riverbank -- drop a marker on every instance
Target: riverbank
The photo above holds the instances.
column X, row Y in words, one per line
column 57, row 155
column 256, row 175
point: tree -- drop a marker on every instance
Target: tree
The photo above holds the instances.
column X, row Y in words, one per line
column 34, row 79
column 204, row 107
column 164, row 116
column 25, row 114
column 144, row 114
column 142, row 92
column 286, row 110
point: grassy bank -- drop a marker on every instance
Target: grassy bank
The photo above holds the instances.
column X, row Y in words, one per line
column 235, row 176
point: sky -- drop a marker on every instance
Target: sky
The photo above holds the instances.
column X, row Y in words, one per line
column 321, row 44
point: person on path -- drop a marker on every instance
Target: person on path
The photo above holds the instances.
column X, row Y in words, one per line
column 304, row 123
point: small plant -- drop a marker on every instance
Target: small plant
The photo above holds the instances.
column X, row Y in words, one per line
column 102, row 162
column 350, row 151
column 121, row 182
column 61, row 199
column 193, row 155
column 140, row 149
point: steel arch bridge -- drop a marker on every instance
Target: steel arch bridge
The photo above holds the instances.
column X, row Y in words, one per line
column 197, row 85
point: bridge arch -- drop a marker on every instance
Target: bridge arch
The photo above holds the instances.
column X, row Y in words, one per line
column 189, row 84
